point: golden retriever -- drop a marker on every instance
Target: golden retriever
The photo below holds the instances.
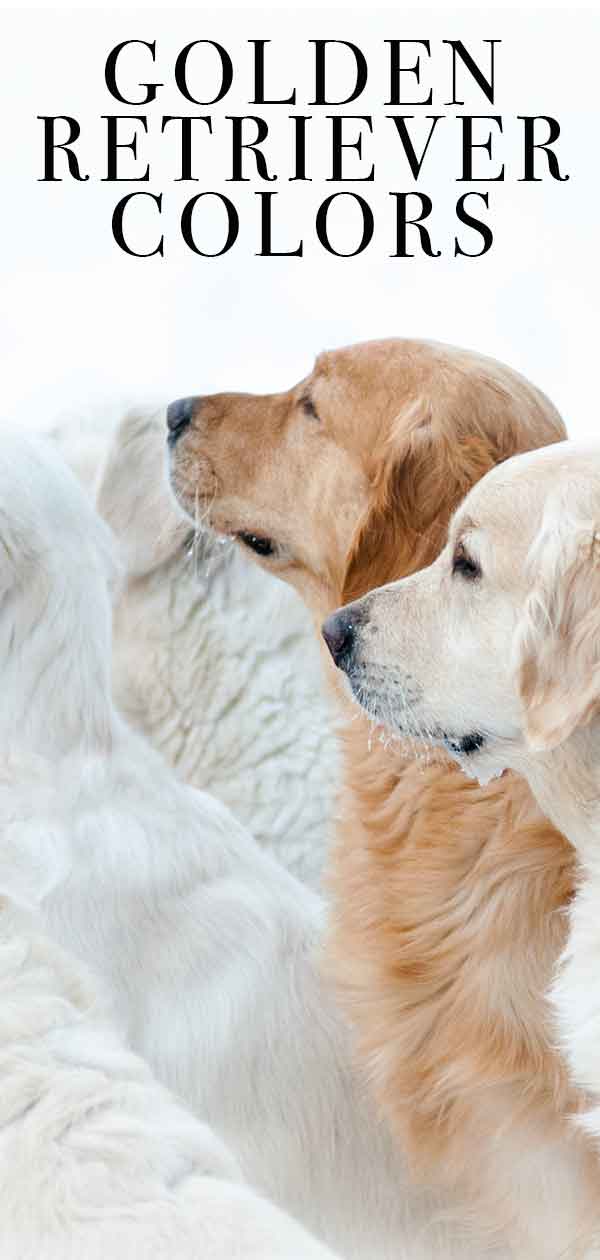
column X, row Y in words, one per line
column 516, row 595
column 447, row 895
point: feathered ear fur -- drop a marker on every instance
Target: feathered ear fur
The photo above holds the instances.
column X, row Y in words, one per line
column 558, row 641
column 434, row 451
column 133, row 495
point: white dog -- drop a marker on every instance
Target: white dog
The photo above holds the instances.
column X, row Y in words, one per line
column 213, row 660
column 205, row 944
column 494, row 653
column 96, row 1159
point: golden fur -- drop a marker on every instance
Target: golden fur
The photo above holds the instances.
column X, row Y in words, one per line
column 447, row 896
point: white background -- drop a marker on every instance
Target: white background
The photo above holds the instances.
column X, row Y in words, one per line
column 83, row 327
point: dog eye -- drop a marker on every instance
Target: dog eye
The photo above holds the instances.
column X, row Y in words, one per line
column 308, row 407
column 464, row 564
column 261, row 546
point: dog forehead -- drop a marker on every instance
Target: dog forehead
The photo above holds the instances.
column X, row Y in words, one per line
column 368, row 364
column 515, row 489
column 527, row 482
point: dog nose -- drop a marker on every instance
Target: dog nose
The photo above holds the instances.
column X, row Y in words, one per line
column 179, row 414
column 338, row 632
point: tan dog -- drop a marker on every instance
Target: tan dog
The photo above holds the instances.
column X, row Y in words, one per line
column 446, row 927
column 494, row 652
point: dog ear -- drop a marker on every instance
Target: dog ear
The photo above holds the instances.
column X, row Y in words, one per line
column 558, row 641
column 431, row 456
column 133, row 495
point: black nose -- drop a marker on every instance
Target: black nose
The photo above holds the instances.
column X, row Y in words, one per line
column 179, row 414
column 338, row 632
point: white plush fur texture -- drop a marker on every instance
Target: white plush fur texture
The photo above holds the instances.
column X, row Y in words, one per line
column 206, row 946
column 214, row 660
column 97, row 1160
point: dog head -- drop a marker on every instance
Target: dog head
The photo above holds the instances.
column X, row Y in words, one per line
column 57, row 569
column 348, row 479
column 494, row 650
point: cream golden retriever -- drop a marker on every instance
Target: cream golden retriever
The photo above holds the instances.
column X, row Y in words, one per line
column 96, row 1158
column 205, row 947
column 494, row 653
column 447, row 893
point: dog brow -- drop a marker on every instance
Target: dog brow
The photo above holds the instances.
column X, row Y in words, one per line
column 467, row 525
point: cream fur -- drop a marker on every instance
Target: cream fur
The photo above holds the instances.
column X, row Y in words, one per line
column 213, row 660
column 96, row 1158
column 207, row 947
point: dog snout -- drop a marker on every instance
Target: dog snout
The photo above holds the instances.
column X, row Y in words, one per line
column 339, row 633
column 179, row 416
